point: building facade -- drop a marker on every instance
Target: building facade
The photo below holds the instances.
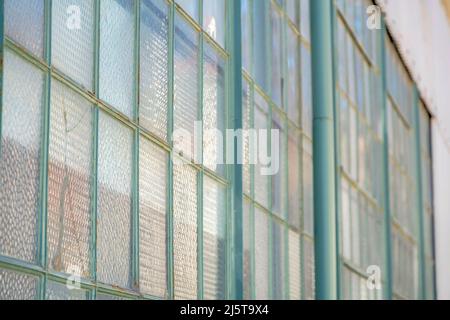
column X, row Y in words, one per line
column 100, row 200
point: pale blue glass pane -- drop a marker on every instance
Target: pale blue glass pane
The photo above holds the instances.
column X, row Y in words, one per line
column 17, row 286
column 278, row 172
column 20, row 152
column 294, row 191
column 69, row 181
column 292, row 9
column 152, row 219
column 154, row 53
column 213, row 109
column 117, row 54
column 261, row 36
column 214, row 239
column 261, row 255
column 214, row 19
column 261, row 123
column 59, row 291
column 294, row 81
column 73, row 39
column 246, row 34
column 308, row 187
column 276, row 56
column 294, row 266
column 307, row 113
column 24, row 23
column 186, row 85
column 278, row 258
column 114, row 202
column 304, row 19
column 185, row 231
column 190, row 6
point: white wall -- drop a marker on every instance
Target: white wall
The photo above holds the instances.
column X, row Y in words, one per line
column 421, row 29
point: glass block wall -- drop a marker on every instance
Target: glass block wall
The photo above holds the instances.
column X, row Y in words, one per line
column 278, row 210
column 93, row 186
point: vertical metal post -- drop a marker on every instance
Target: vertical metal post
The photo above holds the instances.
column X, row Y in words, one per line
column 234, row 31
column 388, row 291
column 324, row 150
column 420, row 211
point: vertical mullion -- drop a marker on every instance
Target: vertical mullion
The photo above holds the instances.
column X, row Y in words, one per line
column 135, row 174
column 386, row 175
column 45, row 147
column 420, row 211
column 199, row 153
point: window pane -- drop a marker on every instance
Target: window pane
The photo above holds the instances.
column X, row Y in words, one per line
column 17, row 286
column 294, row 85
column 152, row 219
column 214, row 243
column 73, row 39
column 261, row 255
column 294, row 266
column 114, row 202
column 154, row 67
column 185, row 231
column 260, row 41
column 277, row 53
column 246, row 34
column 190, row 6
column 279, row 259
column 69, row 182
column 117, row 54
column 186, row 84
column 214, row 19
column 294, row 191
column 20, row 153
column 308, row 188
column 278, row 191
column 248, row 253
column 308, row 269
column 59, row 291
column 246, row 117
column 213, row 110
column 261, row 123
column 24, row 23
column 307, row 110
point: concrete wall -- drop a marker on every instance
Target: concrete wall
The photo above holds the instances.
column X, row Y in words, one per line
column 421, row 29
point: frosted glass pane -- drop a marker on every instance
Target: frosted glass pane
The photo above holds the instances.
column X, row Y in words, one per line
column 117, row 54
column 261, row 123
column 308, row 189
column 154, row 54
column 246, row 115
column 19, row 163
column 214, row 244
column 17, row 286
column 247, row 238
column 69, row 181
column 73, row 39
column 214, row 19
column 278, row 260
column 186, row 84
column 261, row 38
column 294, row 266
column 24, row 23
column 185, row 231
column 308, row 269
column 190, row 6
column 59, row 291
column 276, row 56
column 278, row 179
column 261, row 255
column 304, row 18
column 114, row 202
column 294, row 84
column 152, row 219
column 307, row 110
column 213, row 110
column 294, row 183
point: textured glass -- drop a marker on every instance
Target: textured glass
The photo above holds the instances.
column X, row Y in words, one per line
column 294, row 266
column 276, row 56
column 278, row 260
column 73, row 39
column 154, row 68
column 246, row 34
column 24, row 23
column 69, row 181
column 190, row 6
column 261, row 255
column 185, row 85
column 117, row 54
column 278, row 178
column 214, row 19
column 308, row 269
column 60, row 291
column 152, row 219
column 114, row 202
column 294, row 178
column 213, row 109
column 261, row 37
column 17, row 286
column 294, row 84
column 261, row 123
column 246, row 117
column 185, row 232
column 19, row 163
column 307, row 109
column 214, row 244
column 308, row 188
column 247, row 254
